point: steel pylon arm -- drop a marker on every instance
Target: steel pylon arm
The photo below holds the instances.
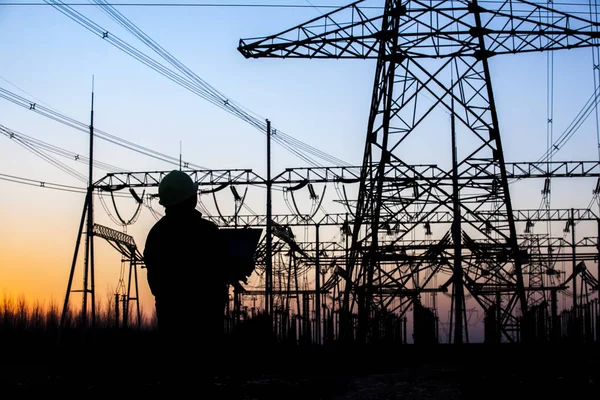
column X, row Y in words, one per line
column 113, row 235
column 122, row 242
column 429, row 30
column 322, row 37
column 524, row 26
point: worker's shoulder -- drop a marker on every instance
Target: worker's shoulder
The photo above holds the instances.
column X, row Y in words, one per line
column 169, row 223
column 159, row 224
column 205, row 222
column 208, row 224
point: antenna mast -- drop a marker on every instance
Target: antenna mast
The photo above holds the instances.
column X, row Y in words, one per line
column 88, row 274
column 89, row 255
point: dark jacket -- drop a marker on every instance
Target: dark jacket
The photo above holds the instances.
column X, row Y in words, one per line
column 181, row 255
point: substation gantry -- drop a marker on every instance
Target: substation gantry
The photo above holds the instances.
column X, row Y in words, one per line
column 436, row 50
column 131, row 255
column 329, row 263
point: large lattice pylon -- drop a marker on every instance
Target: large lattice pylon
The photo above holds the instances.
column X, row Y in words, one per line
column 432, row 65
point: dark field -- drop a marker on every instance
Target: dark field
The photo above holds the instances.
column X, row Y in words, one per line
column 293, row 372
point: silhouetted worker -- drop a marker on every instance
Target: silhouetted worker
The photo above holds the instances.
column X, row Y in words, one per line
column 182, row 259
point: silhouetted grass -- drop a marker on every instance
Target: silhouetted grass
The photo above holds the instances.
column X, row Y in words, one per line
column 31, row 329
column 34, row 329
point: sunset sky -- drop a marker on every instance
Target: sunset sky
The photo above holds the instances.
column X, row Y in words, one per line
column 51, row 60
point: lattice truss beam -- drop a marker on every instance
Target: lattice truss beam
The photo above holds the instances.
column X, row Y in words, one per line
column 428, row 29
column 122, row 242
column 213, row 180
column 432, row 56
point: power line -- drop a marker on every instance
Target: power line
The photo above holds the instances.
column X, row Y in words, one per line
column 238, row 5
column 283, row 139
column 28, row 94
column 574, row 126
column 187, row 78
column 213, row 94
column 42, row 184
column 51, row 185
column 73, row 123
column 39, row 144
column 176, row 5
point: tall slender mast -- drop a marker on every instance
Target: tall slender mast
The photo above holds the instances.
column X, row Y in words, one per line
column 88, row 278
column 269, row 261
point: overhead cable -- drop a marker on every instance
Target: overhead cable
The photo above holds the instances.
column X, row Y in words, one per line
column 50, row 185
column 65, row 168
column 39, row 144
column 73, row 123
column 184, row 5
column 574, row 126
column 42, row 184
column 188, row 79
column 215, row 96
column 236, row 5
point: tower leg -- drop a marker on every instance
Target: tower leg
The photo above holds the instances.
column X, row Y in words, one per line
column 72, row 273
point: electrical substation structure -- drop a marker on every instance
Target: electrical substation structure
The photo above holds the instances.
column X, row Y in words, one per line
column 364, row 287
column 437, row 49
column 296, row 313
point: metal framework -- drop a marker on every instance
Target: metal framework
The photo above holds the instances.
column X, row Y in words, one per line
column 339, row 219
column 214, row 180
column 438, row 49
column 409, row 258
column 391, row 260
column 125, row 245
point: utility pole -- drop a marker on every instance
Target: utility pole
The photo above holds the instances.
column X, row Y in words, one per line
column 574, row 262
column 598, row 248
column 269, row 261
column 88, row 278
column 459, row 296
column 317, row 289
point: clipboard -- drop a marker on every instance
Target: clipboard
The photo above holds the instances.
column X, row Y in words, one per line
column 239, row 247
column 240, row 243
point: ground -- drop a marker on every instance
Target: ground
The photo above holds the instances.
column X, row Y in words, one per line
column 403, row 372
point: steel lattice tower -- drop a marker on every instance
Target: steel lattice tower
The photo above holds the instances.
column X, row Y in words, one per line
column 432, row 56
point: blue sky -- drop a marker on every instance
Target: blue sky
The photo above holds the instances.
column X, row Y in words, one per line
column 53, row 60
column 324, row 103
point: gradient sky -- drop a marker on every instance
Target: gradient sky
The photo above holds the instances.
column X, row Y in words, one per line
column 325, row 103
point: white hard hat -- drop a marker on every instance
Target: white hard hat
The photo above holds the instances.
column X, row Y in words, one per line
column 176, row 187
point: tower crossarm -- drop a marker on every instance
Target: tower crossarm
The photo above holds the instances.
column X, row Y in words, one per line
column 113, row 235
column 434, row 217
column 122, row 242
column 553, row 169
column 204, row 178
column 433, row 29
column 524, row 26
column 322, row 37
column 396, row 172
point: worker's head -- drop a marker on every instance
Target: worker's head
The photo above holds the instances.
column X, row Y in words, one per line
column 177, row 188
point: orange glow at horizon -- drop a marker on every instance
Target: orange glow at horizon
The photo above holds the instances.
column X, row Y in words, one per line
column 36, row 253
